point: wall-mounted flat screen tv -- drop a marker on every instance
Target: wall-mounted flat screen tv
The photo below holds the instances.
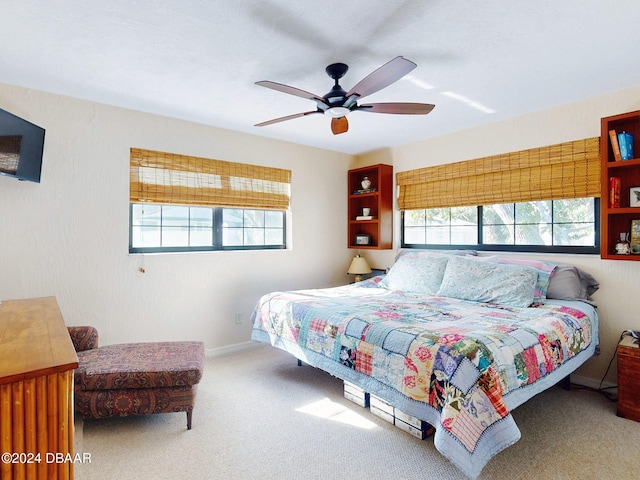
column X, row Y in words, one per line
column 21, row 147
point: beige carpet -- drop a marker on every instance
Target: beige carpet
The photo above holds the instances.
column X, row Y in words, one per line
column 260, row 416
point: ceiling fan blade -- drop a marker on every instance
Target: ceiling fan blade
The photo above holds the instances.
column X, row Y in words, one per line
column 339, row 125
column 405, row 108
column 384, row 76
column 288, row 117
column 290, row 90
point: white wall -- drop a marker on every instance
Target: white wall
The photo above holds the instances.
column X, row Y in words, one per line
column 618, row 298
column 68, row 235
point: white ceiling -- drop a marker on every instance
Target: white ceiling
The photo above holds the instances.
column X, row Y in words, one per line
column 478, row 61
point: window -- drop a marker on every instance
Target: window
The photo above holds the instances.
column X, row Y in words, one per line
column 561, row 226
column 543, row 199
column 184, row 203
column 440, row 226
column 174, row 228
column 252, row 228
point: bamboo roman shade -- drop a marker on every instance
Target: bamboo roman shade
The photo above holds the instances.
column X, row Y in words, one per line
column 564, row 170
column 169, row 178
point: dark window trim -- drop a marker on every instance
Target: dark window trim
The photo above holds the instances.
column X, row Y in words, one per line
column 583, row 250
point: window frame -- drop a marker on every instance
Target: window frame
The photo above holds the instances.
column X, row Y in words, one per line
column 217, row 231
column 562, row 249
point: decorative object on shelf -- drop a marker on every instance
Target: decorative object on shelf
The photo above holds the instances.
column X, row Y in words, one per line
column 359, row 267
column 625, row 143
column 366, row 183
column 634, row 197
column 623, row 247
column 366, row 214
column 634, row 240
column 360, row 192
column 363, row 239
column 614, row 192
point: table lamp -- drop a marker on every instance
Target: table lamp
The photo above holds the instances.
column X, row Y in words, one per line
column 359, row 267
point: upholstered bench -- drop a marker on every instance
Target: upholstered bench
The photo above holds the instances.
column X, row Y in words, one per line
column 135, row 378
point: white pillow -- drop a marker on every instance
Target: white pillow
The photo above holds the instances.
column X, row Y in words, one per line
column 511, row 285
column 416, row 273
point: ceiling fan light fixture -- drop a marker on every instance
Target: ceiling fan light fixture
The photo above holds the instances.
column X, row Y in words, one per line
column 337, row 112
column 338, row 103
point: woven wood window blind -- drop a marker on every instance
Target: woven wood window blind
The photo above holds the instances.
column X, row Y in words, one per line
column 564, row 170
column 169, row 178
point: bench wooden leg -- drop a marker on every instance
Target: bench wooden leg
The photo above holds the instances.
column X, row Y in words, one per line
column 189, row 415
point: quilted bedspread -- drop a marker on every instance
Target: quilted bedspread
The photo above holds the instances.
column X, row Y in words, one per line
column 459, row 365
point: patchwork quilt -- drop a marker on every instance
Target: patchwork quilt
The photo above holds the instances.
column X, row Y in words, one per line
column 459, row 365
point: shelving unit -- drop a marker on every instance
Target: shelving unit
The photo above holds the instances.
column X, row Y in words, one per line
column 379, row 230
column 614, row 221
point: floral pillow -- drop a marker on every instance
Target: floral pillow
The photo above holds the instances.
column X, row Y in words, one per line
column 416, row 273
column 503, row 284
column 545, row 271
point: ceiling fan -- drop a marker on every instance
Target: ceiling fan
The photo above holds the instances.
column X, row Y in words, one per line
column 338, row 103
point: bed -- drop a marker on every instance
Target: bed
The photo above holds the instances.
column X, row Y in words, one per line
column 455, row 340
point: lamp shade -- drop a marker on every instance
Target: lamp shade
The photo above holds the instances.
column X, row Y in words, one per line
column 359, row 266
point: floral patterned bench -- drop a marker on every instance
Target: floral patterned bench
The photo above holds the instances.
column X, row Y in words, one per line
column 135, row 378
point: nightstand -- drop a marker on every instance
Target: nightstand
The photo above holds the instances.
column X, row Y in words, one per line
column 629, row 379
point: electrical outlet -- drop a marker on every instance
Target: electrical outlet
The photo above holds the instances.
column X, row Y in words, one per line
column 238, row 318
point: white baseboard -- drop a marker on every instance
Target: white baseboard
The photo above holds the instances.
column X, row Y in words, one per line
column 590, row 382
column 214, row 352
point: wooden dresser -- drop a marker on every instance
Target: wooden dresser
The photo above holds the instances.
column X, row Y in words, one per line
column 37, row 360
column 629, row 379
